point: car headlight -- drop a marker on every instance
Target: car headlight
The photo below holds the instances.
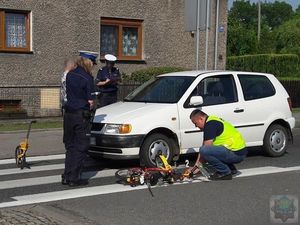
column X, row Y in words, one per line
column 117, row 129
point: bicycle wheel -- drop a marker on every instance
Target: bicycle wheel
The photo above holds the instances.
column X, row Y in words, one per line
column 19, row 160
column 129, row 176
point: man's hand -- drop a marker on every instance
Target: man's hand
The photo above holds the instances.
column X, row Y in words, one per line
column 91, row 104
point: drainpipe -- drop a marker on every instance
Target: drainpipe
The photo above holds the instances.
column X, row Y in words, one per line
column 207, row 30
column 217, row 34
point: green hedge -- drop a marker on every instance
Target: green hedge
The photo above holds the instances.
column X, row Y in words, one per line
column 146, row 74
column 281, row 65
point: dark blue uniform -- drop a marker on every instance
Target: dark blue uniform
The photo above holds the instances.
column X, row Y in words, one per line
column 108, row 91
column 79, row 86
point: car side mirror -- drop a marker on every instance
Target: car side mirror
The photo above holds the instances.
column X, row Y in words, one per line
column 196, row 101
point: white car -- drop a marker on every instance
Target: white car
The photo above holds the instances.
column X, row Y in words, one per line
column 154, row 118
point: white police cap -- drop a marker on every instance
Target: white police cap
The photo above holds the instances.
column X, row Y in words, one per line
column 110, row 57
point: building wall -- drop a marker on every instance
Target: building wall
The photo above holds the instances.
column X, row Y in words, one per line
column 60, row 28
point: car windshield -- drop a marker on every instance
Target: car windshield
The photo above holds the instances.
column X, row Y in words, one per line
column 166, row 89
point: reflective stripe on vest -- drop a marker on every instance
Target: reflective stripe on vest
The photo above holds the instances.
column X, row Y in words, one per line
column 230, row 138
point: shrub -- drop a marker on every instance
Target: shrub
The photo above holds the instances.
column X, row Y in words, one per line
column 146, row 74
column 281, row 65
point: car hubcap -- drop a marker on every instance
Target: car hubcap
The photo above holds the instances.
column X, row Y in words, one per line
column 158, row 147
column 277, row 140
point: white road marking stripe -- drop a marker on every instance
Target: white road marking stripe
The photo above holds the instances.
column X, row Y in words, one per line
column 266, row 170
column 115, row 188
column 33, row 169
column 34, row 159
column 52, row 179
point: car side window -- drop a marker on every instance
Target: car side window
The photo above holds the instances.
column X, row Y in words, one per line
column 215, row 90
column 256, row 86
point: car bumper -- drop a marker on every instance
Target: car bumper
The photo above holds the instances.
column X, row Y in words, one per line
column 116, row 146
column 291, row 121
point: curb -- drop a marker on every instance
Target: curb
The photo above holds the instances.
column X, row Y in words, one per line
column 32, row 131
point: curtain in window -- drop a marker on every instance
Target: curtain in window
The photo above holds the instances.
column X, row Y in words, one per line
column 109, row 40
column 130, row 41
column 15, row 30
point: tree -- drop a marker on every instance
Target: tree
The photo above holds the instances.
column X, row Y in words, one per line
column 241, row 40
column 241, row 37
column 242, row 27
column 243, row 12
column 288, row 37
column 276, row 13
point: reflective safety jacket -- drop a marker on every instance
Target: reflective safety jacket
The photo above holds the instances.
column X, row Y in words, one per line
column 230, row 138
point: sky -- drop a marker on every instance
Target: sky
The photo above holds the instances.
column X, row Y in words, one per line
column 294, row 3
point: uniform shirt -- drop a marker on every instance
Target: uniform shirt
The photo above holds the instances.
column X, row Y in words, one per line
column 212, row 129
column 79, row 86
column 63, row 93
column 114, row 77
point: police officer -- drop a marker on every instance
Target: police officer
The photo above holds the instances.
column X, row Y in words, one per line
column 79, row 86
column 223, row 145
column 107, row 81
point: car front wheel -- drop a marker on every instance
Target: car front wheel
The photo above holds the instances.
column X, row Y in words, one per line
column 275, row 140
column 154, row 145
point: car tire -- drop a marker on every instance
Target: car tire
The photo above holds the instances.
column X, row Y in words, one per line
column 275, row 140
column 156, row 144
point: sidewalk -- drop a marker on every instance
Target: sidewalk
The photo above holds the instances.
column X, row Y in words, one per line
column 41, row 143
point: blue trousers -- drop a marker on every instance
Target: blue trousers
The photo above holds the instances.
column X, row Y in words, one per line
column 107, row 99
column 76, row 126
column 220, row 157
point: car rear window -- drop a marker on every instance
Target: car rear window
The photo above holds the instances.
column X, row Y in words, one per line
column 256, row 86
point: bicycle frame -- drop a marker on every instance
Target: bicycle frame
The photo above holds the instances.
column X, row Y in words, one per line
column 139, row 175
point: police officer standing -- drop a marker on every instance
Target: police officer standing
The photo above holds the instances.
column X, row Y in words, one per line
column 107, row 81
column 79, row 86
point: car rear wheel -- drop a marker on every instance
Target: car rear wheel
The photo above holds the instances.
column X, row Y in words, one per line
column 275, row 140
column 154, row 145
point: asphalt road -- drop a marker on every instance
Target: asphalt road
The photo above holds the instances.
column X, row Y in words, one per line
column 244, row 200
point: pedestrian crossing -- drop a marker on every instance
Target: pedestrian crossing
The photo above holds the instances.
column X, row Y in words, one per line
column 42, row 182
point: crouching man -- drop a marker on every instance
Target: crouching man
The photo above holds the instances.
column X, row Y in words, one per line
column 223, row 145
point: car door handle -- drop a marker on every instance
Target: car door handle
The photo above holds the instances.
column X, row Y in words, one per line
column 238, row 110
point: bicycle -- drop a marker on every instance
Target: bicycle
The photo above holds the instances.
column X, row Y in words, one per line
column 163, row 173
column 22, row 148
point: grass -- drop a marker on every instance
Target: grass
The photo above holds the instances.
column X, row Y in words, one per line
column 296, row 110
column 24, row 126
column 296, row 78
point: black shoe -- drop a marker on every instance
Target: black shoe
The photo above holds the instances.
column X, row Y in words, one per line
column 78, row 183
column 233, row 169
column 218, row 176
column 64, row 181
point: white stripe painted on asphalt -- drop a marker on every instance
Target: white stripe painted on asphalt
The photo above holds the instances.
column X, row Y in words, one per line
column 266, row 170
column 52, row 179
column 33, row 169
column 34, row 159
column 116, row 188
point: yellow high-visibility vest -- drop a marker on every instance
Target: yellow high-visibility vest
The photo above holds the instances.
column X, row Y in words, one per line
column 230, row 138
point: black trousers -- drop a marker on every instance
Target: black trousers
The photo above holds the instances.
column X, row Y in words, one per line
column 76, row 126
column 107, row 99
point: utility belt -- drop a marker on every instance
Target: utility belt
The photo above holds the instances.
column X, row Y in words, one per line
column 107, row 94
column 86, row 114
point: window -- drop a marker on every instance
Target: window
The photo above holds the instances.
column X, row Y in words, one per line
column 122, row 38
column 165, row 89
column 215, row 90
column 256, row 86
column 14, row 31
